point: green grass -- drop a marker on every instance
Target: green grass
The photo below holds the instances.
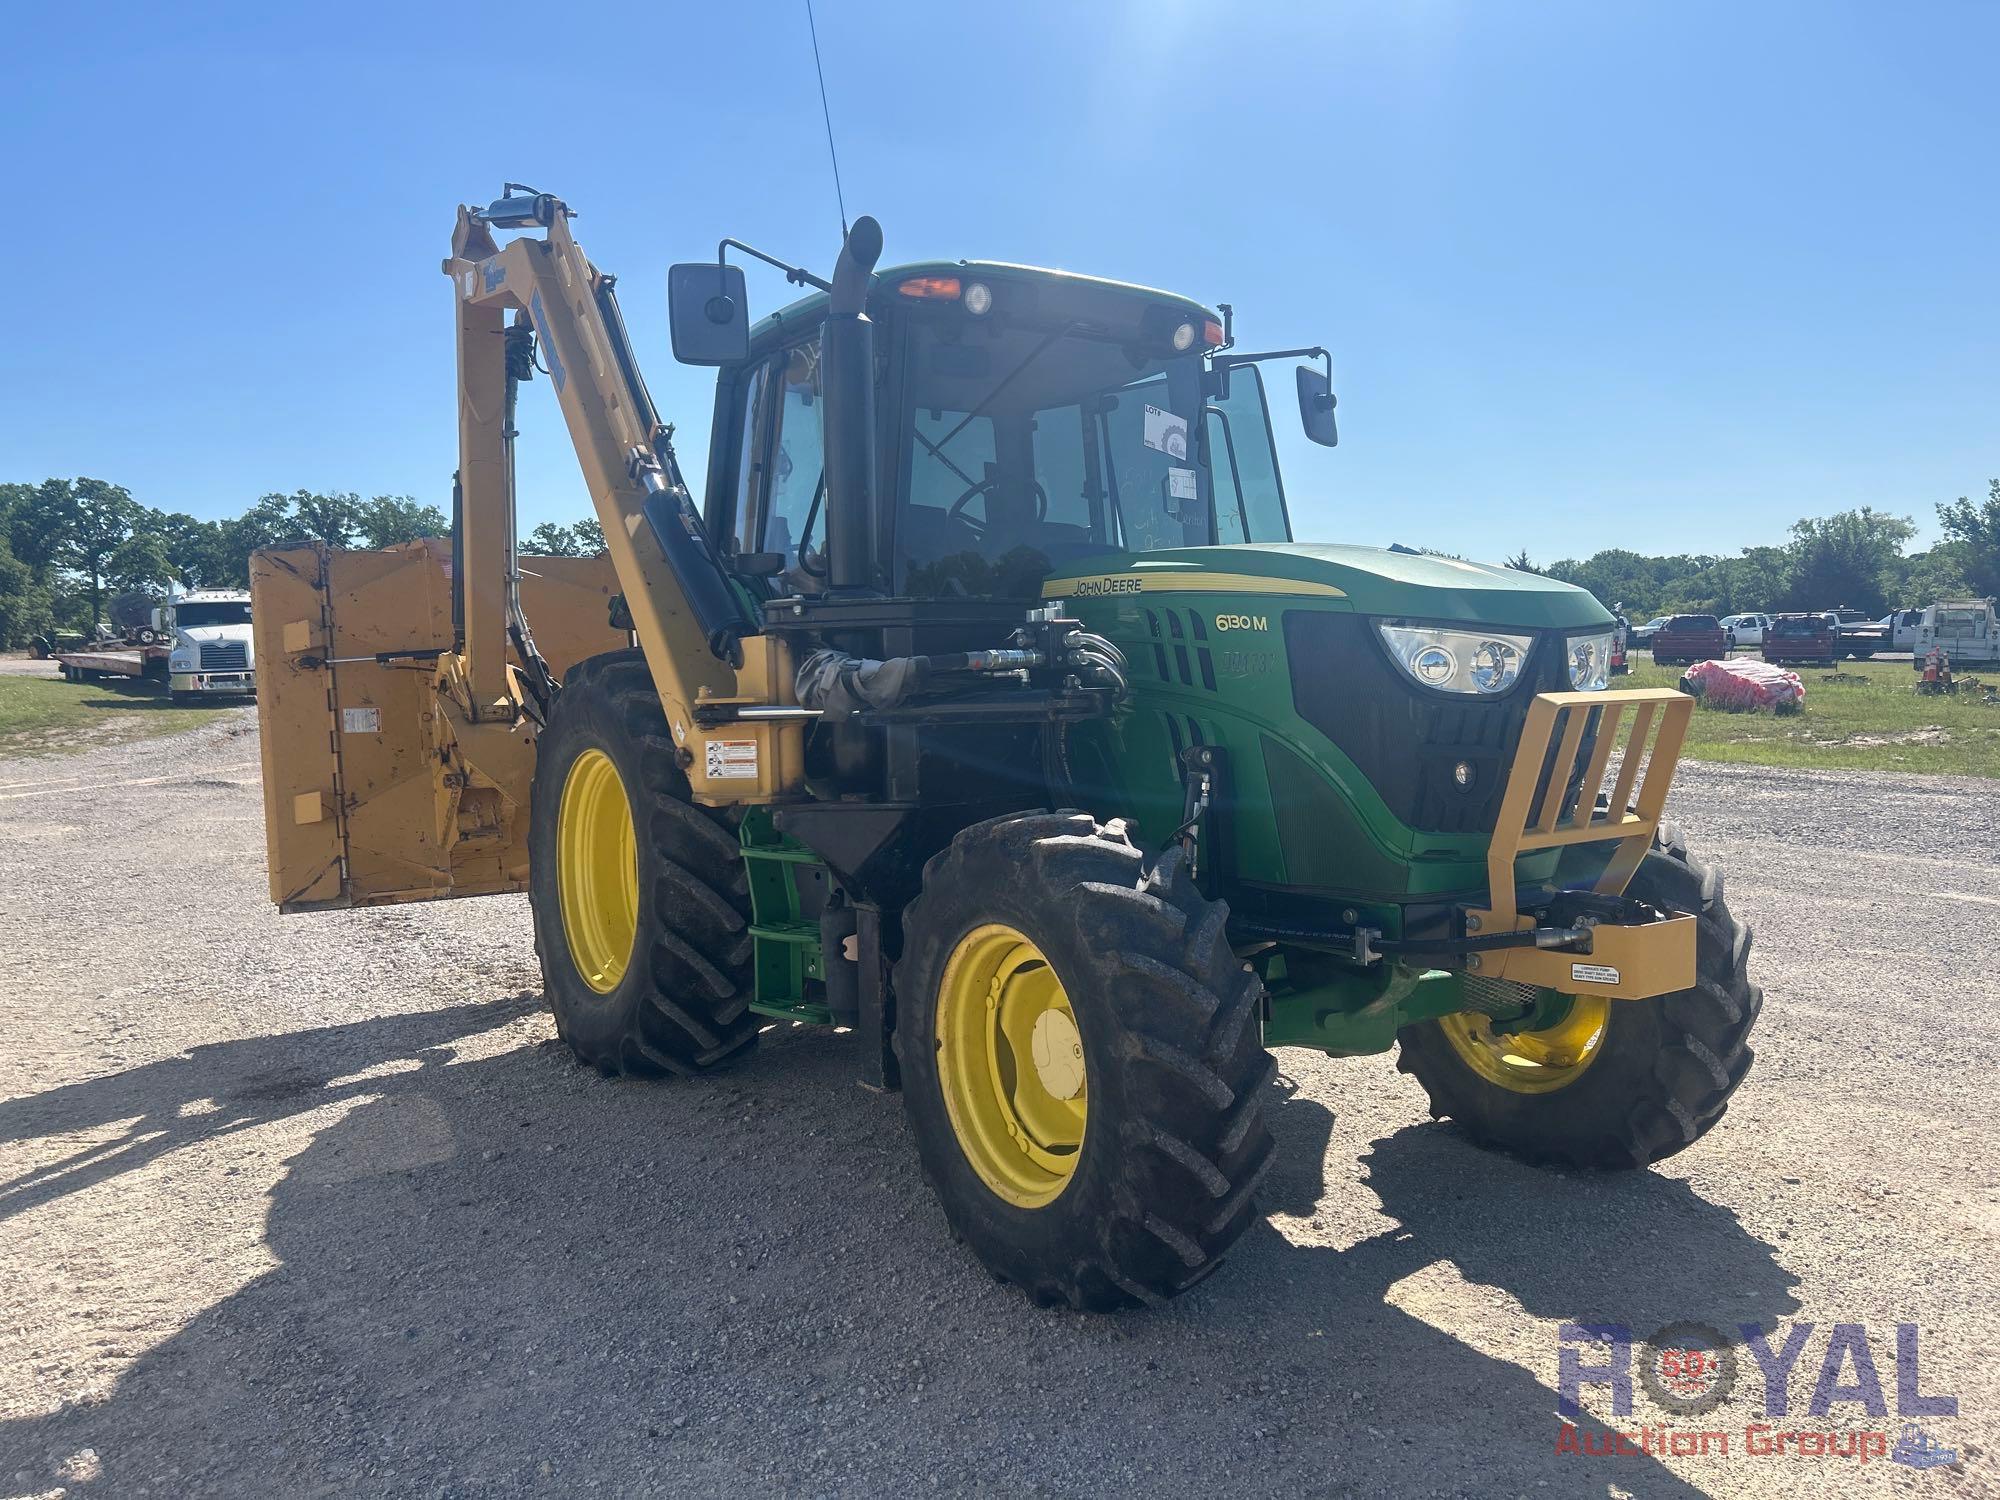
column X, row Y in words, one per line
column 47, row 716
column 1879, row 724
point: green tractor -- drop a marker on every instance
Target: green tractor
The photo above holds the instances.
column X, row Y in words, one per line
column 988, row 708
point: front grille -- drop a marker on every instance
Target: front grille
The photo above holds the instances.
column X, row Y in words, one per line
column 224, row 656
column 1405, row 741
column 1181, row 654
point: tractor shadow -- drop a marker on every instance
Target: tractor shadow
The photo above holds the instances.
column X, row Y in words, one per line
column 509, row 1275
column 221, row 1089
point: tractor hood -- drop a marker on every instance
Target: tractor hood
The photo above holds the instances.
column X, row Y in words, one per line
column 1370, row 580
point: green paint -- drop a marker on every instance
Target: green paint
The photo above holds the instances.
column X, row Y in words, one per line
column 1375, row 581
column 784, row 942
column 1319, row 1001
column 810, row 310
column 1303, row 814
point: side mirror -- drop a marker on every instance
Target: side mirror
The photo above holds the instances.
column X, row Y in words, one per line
column 709, row 314
column 1316, row 406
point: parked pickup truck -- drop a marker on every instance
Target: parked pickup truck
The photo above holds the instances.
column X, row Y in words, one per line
column 1900, row 628
column 1745, row 630
column 1964, row 629
column 1859, row 635
column 1802, row 640
column 1686, row 639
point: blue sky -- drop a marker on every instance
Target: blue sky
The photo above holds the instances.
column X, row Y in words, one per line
column 1666, row 275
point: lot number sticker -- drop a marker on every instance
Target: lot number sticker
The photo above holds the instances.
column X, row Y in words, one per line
column 1166, row 433
column 732, row 760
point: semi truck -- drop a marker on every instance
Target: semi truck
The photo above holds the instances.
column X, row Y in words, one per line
column 210, row 650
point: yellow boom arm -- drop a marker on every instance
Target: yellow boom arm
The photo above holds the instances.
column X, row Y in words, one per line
column 617, row 438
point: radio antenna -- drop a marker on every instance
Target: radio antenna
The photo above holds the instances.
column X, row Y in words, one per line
column 827, row 115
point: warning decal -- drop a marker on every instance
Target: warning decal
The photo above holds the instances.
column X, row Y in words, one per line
column 1593, row 973
column 732, row 760
column 361, row 721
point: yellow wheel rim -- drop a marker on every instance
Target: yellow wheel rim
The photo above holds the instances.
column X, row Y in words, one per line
column 1532, row 1062
column 1010, row 1059
column 597, row 871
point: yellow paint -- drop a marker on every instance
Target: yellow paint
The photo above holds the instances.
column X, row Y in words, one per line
column 1634, row 962
column 1012, row 1066
column 1532, row 1062
column 597, row 871
column 1113, row 584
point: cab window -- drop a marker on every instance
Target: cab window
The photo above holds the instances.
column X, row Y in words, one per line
column 795, row 464
column 1249, row 497
column 743, row 517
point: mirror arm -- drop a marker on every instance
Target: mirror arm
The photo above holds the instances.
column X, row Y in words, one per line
column 1315, row 352
column 796, row 275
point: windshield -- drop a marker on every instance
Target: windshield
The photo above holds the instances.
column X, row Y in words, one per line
column 1023, row 449
column 211, row 612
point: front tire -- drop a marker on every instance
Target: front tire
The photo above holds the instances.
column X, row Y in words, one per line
column 1620, row 1083
column 1116, row 1161
column 641, row 903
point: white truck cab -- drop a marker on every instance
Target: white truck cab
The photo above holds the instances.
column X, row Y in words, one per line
column 1746, row 630
column 1901, row 627
column 1964, row 629
column 208, row 631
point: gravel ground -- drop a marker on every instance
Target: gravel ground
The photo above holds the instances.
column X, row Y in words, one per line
column 317, row 1205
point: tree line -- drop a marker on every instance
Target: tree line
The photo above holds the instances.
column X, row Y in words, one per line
column 74, row 552
column 1854, row 558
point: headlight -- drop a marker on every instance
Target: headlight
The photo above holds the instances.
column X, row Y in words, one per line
column 1457, row 661
column 180, row 663
column 1589, row 661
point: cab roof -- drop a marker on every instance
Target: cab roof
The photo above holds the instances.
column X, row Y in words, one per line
column 812, row 308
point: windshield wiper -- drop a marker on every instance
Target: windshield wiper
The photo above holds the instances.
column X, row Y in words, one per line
column 1008, row 379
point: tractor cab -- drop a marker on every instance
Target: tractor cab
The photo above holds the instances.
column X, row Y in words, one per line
column 1025, row 420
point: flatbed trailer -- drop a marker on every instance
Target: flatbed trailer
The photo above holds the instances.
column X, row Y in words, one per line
column 147, row 661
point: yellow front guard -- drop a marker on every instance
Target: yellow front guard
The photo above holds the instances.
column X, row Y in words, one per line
column 1625, row 962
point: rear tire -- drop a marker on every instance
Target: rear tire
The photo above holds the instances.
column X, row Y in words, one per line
column 1661, row 1076
column 680, row 1001
column 1174, row 1072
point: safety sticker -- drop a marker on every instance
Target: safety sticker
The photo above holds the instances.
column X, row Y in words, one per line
column 1166, row 433
column 1593, row 973
column 361, row 721
column 1180, row 483
column 732, row 760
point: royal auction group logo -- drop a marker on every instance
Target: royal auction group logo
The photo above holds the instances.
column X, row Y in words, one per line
column 1688, row 1370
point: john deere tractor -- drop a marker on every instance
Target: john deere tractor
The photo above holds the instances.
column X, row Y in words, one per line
column 984, row 707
